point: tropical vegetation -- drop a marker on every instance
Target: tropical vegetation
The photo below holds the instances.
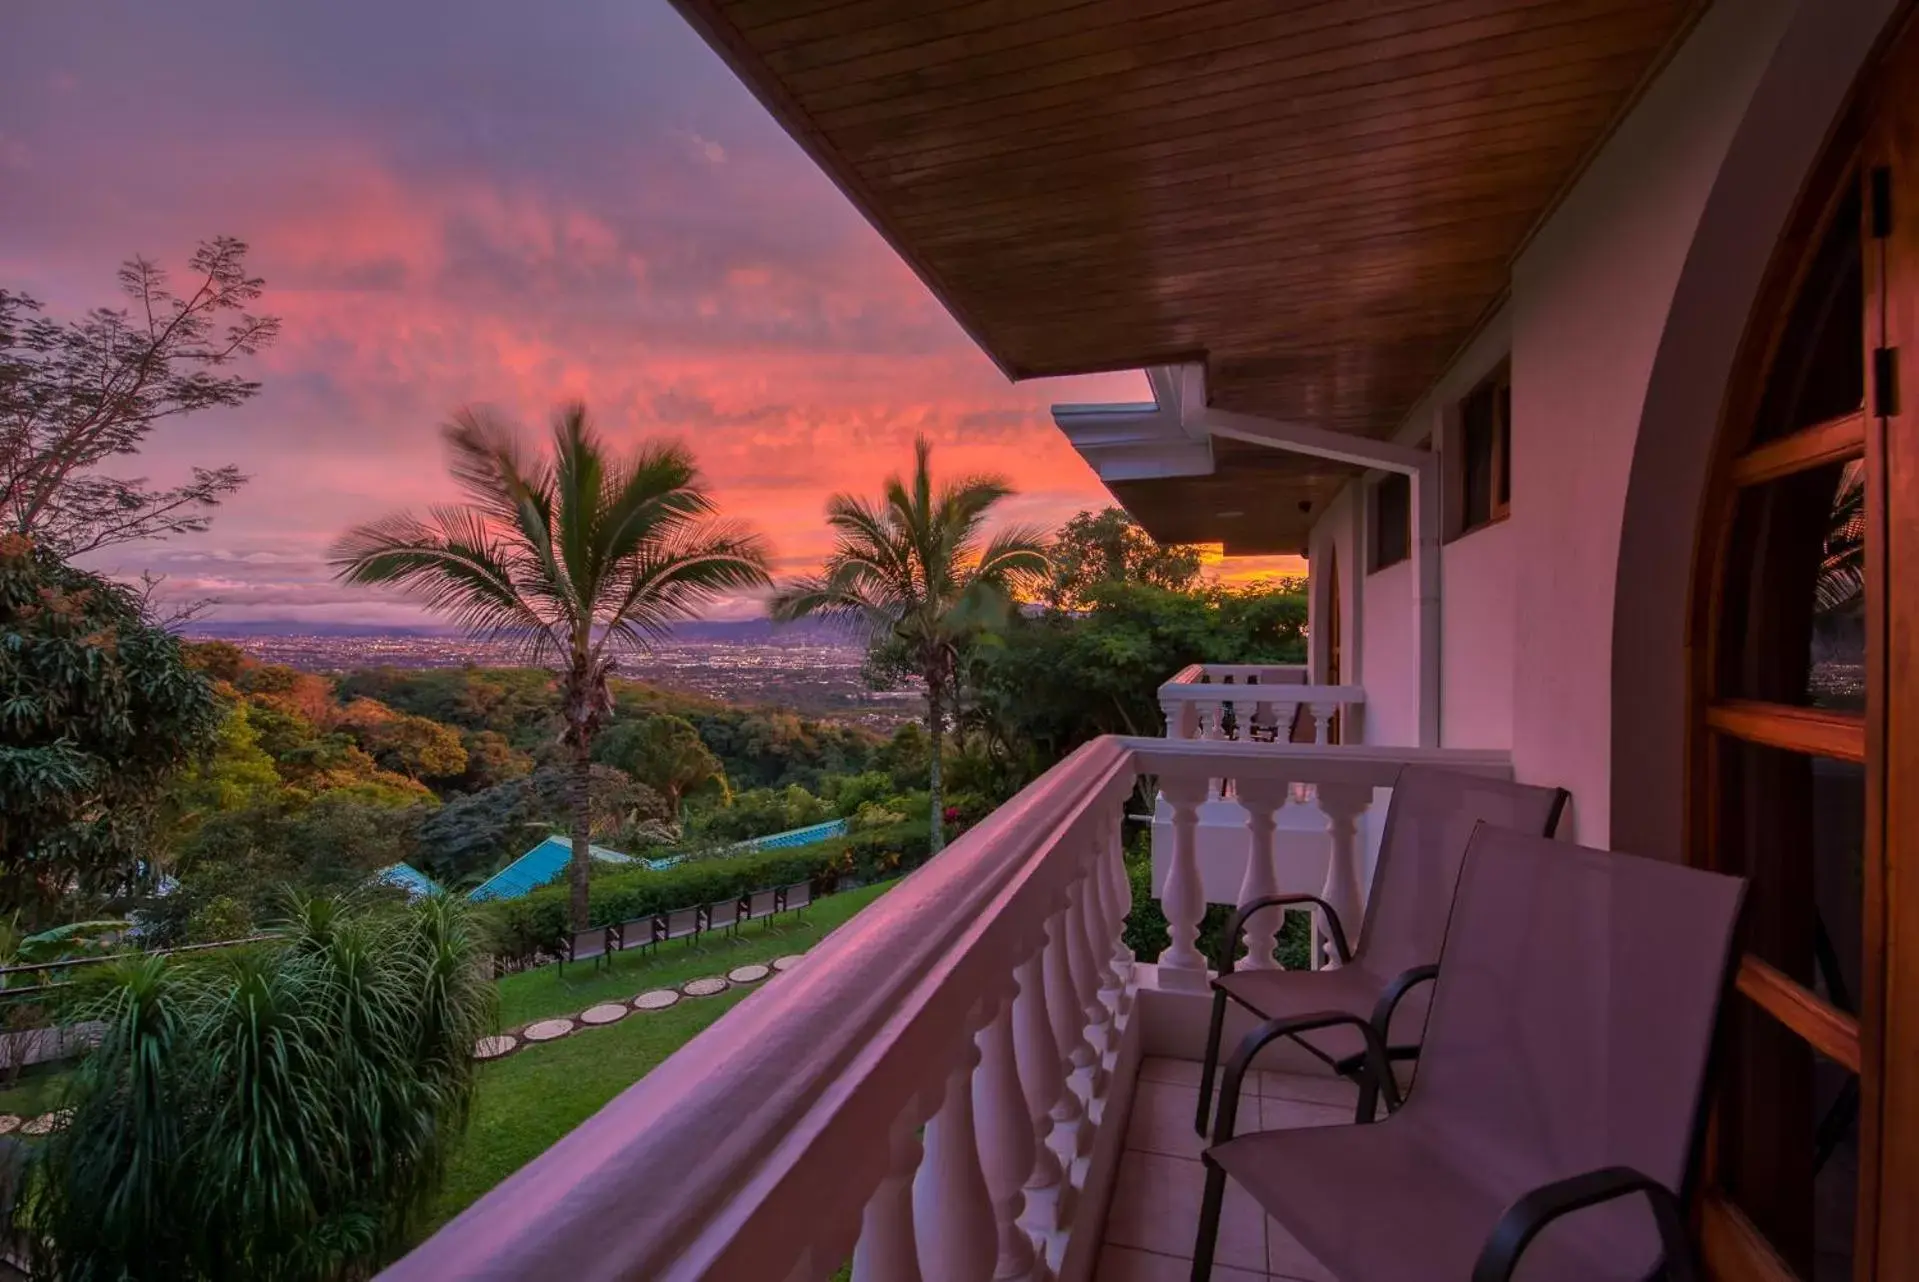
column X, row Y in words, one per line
column 919, row 571
column 280, row 1111
column 580, row 558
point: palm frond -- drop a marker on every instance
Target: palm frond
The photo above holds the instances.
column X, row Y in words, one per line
column 452, row 564
column 672, row 578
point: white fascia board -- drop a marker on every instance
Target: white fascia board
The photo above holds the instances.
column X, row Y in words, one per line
column 1150, row 462
column 1304, row 438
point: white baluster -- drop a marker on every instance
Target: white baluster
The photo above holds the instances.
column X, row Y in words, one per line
column 1323, row 722
column 1343, row 803
column 1071, row 1135
column 1042, row 1080
column 1261, row 799
column 1088, row 1056
column 952, row 1210
column 887, row 1251
column 1006, row 1146
column 1182, row 898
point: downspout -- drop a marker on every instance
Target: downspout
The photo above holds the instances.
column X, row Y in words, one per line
column 1201, row 421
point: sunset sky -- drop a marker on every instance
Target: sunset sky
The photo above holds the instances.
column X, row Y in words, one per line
column 467, row 203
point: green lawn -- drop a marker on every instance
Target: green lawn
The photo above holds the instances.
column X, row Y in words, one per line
column 538, row 994
column 536, row 1095
column 38, row 1091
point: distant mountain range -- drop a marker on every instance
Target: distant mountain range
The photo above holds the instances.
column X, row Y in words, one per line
column 740, row 631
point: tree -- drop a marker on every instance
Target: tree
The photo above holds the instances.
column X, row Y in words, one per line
column 573, row 557
column 1109, row 547
column 75, row 395
column 416, row 747
column 1057, row 680
column 916, row 568
column 667, row 755
column 98, row 710
column 237, row 773
column 282, row 1112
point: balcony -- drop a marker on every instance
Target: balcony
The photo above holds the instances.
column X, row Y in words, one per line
column 972, row 1079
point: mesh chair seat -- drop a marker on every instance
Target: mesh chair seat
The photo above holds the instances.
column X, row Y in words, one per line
column 1390, row 1202
column 1353, row 989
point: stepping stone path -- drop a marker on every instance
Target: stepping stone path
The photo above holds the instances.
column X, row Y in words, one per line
column 494, row 1047
column 547, row 1030
column 45, row 1124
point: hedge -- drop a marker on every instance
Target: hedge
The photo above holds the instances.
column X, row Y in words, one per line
column 519, row 930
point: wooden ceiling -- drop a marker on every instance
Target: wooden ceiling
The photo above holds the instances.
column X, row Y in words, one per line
column 1319, row 198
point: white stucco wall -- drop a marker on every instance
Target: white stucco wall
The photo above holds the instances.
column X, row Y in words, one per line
column 1590, row 296
column 1477, row 622
column 1388, row 658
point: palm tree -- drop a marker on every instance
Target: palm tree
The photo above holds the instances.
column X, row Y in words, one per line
column 575, row 558
column 916, row 570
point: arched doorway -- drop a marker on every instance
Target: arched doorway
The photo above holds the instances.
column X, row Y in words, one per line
column 1803, row 709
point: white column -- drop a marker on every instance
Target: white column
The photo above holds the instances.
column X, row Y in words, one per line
column 1042, row 1080
column 887, row 1250
column 1323, row 722
column 1343, row 803
column 1261, row 799
column 1006, row 1147
column 1182, row 898
column 952, row 1210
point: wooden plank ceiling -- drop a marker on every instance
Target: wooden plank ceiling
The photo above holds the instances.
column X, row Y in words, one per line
column 1319, row 198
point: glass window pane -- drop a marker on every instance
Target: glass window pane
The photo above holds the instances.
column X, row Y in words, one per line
column 1392, row 521
column 1820, row 371
column 1476, row 432
column 1794, row 825
column 1789, row 1143
column 1792, row 626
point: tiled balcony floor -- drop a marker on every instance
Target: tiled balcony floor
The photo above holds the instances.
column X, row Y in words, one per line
column 1155, row 1208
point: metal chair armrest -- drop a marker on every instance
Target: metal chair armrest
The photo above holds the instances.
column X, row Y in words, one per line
column 1525, row 1218
column 1391, row 995
column 1229, row 941
column 1290, row 1026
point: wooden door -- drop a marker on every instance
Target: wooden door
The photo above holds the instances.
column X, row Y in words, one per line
column 1808, row 705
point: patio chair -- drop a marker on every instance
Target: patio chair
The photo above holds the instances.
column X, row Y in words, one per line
column 680, row 923
column 588, row 945
column 1428, row 822
column 794, row 898
column 1561, row 1075
column 721, row 914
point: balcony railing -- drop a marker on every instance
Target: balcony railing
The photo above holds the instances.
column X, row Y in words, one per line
column 1212, row 701
column 941, row 1089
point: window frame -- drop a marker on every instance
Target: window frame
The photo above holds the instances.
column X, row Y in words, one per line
column 1497, row 387
column 1376, row 560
